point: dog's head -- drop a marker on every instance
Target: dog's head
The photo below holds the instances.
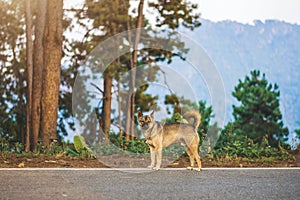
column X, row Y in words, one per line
column 145, row 121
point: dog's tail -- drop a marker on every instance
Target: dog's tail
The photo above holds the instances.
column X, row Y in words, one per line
column 196, row 117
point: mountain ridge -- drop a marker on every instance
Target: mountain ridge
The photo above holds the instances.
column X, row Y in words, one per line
column 271, row 47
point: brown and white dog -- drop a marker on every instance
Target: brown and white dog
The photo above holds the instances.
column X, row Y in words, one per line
column 161, row 134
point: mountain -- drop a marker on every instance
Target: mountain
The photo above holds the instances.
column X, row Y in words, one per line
column 272, row 46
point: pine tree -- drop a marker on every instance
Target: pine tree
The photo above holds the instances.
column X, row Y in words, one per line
column 112, row 17
column 206, row 116
column 51, row 71
column 258, row 114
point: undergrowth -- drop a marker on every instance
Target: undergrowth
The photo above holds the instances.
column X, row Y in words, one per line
column 243, row 149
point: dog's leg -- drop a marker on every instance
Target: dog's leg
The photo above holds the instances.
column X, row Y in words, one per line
column 158, row 158
column 192, row 161
column 195, row 154
column 153, row 157
column 198, row 161
column 192, row 158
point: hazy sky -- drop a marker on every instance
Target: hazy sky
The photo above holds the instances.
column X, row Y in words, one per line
column 246, row 11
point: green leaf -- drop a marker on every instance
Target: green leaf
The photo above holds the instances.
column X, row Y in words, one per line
column 80, row 144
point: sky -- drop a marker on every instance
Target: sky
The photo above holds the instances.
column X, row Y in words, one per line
column 245, row 11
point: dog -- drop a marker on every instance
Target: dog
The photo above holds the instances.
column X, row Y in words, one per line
column 161, row 134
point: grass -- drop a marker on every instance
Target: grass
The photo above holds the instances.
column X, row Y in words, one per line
column 234, row 153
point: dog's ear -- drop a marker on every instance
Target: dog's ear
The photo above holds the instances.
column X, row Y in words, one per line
column 152, row 114
column 140, row 114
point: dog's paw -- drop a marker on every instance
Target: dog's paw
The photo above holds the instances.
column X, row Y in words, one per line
column 150, row 167
column 189, row 168
column 199, row 169
column 156, row 168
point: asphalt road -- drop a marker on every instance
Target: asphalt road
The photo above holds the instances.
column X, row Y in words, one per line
column 164, row 184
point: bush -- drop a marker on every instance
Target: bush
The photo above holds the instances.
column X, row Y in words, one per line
column 117, row 144
column 232, row 146
column 8, row 145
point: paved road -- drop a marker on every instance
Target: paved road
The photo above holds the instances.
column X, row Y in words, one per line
column 164, row 184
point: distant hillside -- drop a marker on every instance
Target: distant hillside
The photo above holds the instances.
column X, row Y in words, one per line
column 272, row 47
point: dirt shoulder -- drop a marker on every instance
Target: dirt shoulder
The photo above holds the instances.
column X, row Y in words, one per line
column 44, row 161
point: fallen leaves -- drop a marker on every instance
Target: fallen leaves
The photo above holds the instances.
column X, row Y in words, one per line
column 21, row 165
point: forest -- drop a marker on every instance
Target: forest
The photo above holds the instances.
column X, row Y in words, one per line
column 56, row 83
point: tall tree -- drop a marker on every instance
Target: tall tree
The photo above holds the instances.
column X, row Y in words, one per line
column 52, row 69
column 130, row 108
column 38, row 63
column 117, row 23
column 111, row 17
column 12, row 68
column 258, row 114
column 174, row 13
column 29, row 64
column 107, row 99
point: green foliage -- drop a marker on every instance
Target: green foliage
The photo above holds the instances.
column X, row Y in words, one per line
column 175, row 150
column 171, row 13
column 177, row 118
column 5, row 143
column 258, row 114
column 297, row 133
column 79, row 143
column 143, row 101
column 232, row 145
column 206, row 116
column 8, row 144
column 205, row 127
column 56, row 149
column 117, row 144
column 178, row 104
column 81, row 147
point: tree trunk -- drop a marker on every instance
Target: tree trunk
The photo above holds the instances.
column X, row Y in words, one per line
column 106, row 110
column 108, row 83
column 29, row 66
column 128, row 110
column 52, row 70
column 131, row 95
column 38, row 63
column 120, row 110
column 21, row 134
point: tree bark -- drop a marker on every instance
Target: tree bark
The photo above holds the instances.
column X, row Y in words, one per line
column 52, row 70
column 29, row 66
column 38, row 63
column 106, row 110
column 119, row 109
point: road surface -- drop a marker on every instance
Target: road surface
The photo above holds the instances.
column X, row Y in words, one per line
column 164, row 184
